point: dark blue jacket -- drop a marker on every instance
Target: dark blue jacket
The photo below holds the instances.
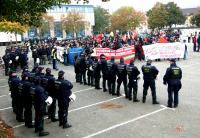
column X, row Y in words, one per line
column 173, row 75
column 65, row 92
column 133, row 73
column 40, row 98
column 149, row 72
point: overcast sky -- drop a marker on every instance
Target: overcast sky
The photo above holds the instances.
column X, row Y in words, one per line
column 143, row 5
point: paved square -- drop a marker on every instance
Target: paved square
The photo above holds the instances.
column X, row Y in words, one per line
column 100, row 115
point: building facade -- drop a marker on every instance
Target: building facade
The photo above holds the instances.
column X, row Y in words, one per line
column 57, row 12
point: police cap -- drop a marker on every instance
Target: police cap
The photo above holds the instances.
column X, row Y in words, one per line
column 40, row 69
column 172, row 60
column 61, row 73
column 102, row 56
column 149, row 60
column 48, row 70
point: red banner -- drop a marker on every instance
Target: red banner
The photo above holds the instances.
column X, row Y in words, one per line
column 127, row 53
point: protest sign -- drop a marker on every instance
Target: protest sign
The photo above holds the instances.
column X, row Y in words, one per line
column 164, row 50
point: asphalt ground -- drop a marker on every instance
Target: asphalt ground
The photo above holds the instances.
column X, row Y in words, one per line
column 97, row 114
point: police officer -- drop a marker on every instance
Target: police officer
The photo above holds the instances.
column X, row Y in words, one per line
column 39, row 72
column 64, row 87
column 27, row 99
column 76, row 68
column 149, row 75
column 13, row 59
column 34, row 54
column 48, row 84
column 97, row 73
column 104, row 71
column 83, row 68
column 54, row 57
column 133, row 73
column 122, row 77
column 173, row 78
column 112, row 71
column 6, row 59
column 13, row 84
column 23, row 58
column 20, row 100
column 40, row 97
column 90, row 71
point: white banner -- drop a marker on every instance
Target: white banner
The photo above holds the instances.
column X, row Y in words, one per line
column 164, row 50
column 60, row 52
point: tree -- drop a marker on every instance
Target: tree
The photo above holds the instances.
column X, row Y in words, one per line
column 196, row 20
column 47, row 23
column 102, row 19
column 158, row 17
column 73, row 22
column 12, row 27
column 175, row 15
column 28, row 12
column 126, row 18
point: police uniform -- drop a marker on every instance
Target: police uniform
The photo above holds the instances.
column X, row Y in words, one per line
column 54, row 56
column 83, row 68
column 112, row 72
column 90, row 71
column 133, row 73
column 48, row 84
column 173, row 78
column 104, row 71
column 40, row 96
column 97, row 73
column 27, row 99
column 64, row 91
column 149, row 75
column 13, row 84
column 122, row 77
column 76, row 68
column 6, row 59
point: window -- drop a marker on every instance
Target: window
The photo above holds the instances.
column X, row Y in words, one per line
column 58, row 29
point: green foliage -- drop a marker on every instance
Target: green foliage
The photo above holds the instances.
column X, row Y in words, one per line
column 73, row 22
column 27, row 12
column 12, row 27
column 175, row 15
column 102, row 19
column 158, row 16
column 162, row 15
column 47, row 23
column 126, row 18
column 196, row 20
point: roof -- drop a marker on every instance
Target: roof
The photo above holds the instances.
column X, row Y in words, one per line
column 190, row 11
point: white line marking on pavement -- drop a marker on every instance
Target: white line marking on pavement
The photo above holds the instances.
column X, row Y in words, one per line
column 95, row 104
column 3, row 86
column 167, row 107
column 3, row 79
column 124, row 123
column 83, row 90
column 80, row 108
column 5, row 108
column 3, row 96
